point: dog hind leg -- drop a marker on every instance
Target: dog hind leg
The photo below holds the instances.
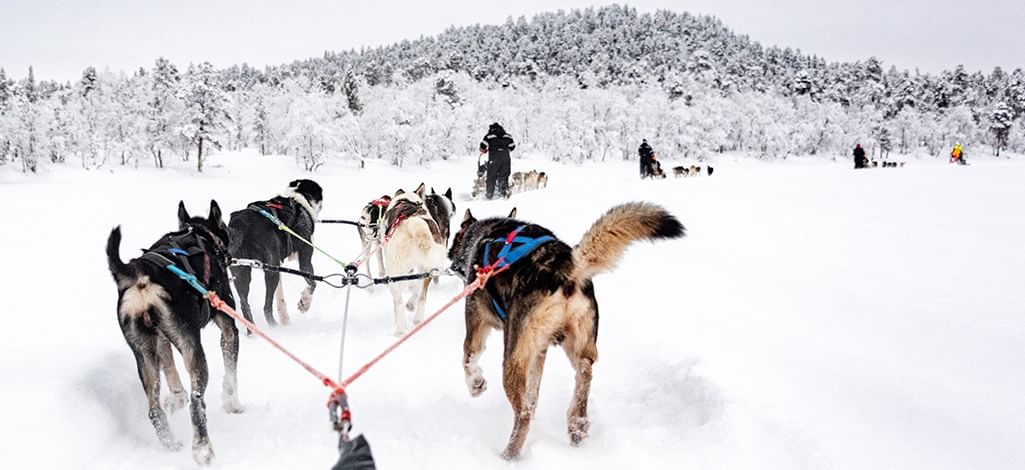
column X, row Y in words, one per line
column 515, row 374
column 279, row 302
column 143, row 341
column 189, row 346
column 306, row 296
column 400, row 312
column 582, row 351
column 421, row 301
column 271, row 280
column 178, row 395
column 243, row 276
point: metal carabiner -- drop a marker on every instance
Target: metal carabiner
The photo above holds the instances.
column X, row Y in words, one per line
column 363, row 281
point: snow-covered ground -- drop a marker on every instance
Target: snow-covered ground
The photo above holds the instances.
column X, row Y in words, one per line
column 814, row 317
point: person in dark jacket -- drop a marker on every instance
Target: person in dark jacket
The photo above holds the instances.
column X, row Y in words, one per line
column 497, row 143
column 860, row 161
column 646, row 154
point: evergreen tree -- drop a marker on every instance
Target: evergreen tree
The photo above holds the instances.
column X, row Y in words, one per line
column 205, row 115
column 1001, row 120
column 164, row 109
column 88, row 81
column 351, row 89
column 5, row 91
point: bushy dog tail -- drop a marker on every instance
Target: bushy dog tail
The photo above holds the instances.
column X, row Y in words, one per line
column 606, row 241
column 118, row 268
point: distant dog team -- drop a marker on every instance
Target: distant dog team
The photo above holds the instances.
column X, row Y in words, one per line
column 693, row 170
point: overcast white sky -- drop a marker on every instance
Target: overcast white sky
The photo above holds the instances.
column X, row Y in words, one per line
column 61, row 37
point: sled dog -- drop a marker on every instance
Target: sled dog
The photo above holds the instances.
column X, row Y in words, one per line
column 545, row 297
column 416, row 245
column 370, row 229
column 254, row 236
column 156, row 310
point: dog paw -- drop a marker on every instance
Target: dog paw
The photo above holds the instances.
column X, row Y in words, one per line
column 232, row 405
column 400, row 331
column 305, row 301
column 174, row 403
column 202, row 452
column 510, row 454
column 578, row 428
column 477, row 385
column 172, row 445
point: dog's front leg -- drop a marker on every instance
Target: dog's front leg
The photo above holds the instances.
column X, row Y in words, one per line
column 380, row 263
column 229, row 349
column 477, row 331
column 243, row 275
column 421, row 301
column 174, row 383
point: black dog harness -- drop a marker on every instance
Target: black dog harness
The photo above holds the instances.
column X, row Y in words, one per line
column 183, row 245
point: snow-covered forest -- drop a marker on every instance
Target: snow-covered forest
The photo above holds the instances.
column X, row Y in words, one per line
column 579, row 85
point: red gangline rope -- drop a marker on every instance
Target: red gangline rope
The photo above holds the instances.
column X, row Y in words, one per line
column 482, row 278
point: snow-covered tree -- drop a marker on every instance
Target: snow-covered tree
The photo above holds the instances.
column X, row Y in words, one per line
column 164, row 110
column 205, row 117
column 1001, row 121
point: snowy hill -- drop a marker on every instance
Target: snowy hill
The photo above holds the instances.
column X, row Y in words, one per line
column 580, row 85
column 814, row 317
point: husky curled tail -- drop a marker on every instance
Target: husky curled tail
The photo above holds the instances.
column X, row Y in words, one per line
column 608, row 238
column 118, row 268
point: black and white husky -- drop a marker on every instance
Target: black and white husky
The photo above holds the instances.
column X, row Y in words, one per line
column 254, row 236
column 370, row 229
column 417, row 245
column 156, row 309
column 546, row 297
column 442, row 208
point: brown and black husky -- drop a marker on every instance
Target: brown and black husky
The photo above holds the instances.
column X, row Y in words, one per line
column 544, row 298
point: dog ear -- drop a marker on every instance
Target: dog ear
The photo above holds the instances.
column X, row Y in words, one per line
column 183, row 215
column 295, row 184
column 215, row 213
column 421, row 190
column 468, row 216
column 399, row 192
column 512, row 213
column 432, row 191
column 448, row 194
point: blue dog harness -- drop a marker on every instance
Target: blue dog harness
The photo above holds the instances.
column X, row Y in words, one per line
column 514, row 248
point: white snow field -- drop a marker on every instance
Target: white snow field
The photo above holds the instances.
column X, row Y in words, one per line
column 814, row 317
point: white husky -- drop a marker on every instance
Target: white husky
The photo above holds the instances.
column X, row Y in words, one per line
column 416, row 246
